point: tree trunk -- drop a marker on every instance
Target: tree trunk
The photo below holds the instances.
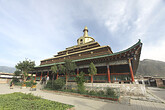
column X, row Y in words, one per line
column 92, row 81
column 24, row 78
column 66, row 81
column 52, row 80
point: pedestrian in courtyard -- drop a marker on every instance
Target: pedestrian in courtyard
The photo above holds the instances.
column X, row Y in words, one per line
column 47, row 79
column 11, row 85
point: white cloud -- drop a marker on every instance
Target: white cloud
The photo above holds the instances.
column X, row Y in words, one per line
column 38, row 29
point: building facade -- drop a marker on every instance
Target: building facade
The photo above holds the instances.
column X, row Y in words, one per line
column 5, row 77
column 111, row 67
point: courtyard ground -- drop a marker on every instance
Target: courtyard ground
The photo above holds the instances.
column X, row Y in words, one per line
column 160, row 92
column 82, row 103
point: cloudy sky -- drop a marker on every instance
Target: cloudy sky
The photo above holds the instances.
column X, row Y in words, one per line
column 38, row 29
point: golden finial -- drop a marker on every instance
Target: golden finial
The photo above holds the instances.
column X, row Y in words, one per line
column 85, row 31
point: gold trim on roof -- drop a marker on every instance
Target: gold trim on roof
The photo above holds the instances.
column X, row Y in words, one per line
column 76, row 46
column 76, row 52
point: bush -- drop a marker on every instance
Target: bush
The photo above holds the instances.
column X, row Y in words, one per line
column 15, row 80
column 33, row 82
column 110, row 92
column 28, row 84
column 49, row 84
column 81, row 89
column 70, row 90
column 92, row 92
column 80, row 79
column 101, row 92
column 58, row 84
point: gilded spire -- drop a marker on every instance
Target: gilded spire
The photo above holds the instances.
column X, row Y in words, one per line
column 85, row 31
column 85, row 38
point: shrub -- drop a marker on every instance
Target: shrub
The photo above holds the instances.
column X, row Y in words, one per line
column 101, row 92
column 58, row 84
column 18, row 84
column 110, row 92
column 80, row 79
column 28, row 84
column 49, row 84
column 92, row 92
column 81, row 89
column 15, row 80
column 32, row 81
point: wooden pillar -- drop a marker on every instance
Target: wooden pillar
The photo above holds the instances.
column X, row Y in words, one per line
column 77, row 71
column 108, row 71
column 57, row 76
column 35, row 76
column 41, row 76
column 131, row 71
column 91, row 78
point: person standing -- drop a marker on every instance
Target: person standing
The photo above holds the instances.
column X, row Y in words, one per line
column 47, row 79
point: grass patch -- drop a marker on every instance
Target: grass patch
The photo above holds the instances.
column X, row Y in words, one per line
column 162, row 87
column 20, row 101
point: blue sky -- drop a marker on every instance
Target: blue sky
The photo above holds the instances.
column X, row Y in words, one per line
column 38, row 29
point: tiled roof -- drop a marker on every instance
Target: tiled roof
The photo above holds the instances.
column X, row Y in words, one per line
column 101, row 56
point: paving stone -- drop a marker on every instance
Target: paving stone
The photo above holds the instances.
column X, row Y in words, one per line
column 84, row 103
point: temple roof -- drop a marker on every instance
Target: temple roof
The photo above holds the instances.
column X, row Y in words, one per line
column 78, row 52
column 101, row 56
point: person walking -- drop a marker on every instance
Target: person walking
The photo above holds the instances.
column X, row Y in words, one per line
column 47, row 79
column 11, row 85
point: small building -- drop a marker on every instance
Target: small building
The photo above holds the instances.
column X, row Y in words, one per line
column 111, row 67
column 153, row 81
column 157, row 81
column 5, row 77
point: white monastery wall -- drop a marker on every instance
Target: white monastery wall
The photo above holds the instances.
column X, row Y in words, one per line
column 125, row 89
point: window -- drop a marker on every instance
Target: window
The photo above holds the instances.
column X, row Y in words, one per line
column 81, row 41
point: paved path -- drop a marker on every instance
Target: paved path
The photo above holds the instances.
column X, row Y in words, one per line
column 85, row 103
column 158, row 92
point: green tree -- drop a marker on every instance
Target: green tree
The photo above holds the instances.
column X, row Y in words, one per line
column 80, row 79
column 17, row 73
column 54, row 72
column 92, row 71
column 69, row 68
column 25, row 67
column 61, row 69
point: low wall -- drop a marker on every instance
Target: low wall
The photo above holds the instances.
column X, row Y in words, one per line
column 2, row 81
column 125, row 89
column 5, row 81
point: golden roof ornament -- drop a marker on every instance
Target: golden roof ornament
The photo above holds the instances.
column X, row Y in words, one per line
column 85, row 32
column 85, row 38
